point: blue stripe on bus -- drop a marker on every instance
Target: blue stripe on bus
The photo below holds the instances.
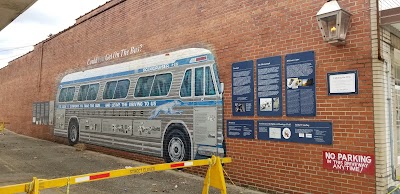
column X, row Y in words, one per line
column 148, row 103
column 180, row 62
column 100, row 77
column 214, row 146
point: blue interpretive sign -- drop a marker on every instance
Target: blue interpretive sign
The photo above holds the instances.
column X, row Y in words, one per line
column 240, row 129
column 242, row 89
column 300, row 84
column 296, row 131
column 269, row 86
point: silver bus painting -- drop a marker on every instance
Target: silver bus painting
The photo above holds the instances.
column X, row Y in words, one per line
column 169, row 106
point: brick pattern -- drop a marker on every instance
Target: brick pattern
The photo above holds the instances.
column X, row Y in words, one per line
column 235, row 30
column 381, row 108
column 382, row 127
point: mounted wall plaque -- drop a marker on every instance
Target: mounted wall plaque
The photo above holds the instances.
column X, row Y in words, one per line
column 341, row 83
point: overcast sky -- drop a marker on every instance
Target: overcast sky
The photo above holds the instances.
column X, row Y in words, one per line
column 35, row 24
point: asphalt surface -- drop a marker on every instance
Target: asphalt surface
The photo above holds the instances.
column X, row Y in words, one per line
column 22, row 158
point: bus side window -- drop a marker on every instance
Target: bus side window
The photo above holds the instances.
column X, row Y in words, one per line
column 186, row 87
column 70, row 94
column 216, row 74
column 199, row 81
column 143, row 86
column 210, row 90
column 63, row 95
column 109, row 90
column 92, row 93
column 122, row 89
column 83, row 91
column 161, row 85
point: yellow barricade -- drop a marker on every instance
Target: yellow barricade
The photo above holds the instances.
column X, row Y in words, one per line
column 214, row 176
column 2, row 126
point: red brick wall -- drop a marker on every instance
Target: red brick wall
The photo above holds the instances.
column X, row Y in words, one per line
column 235, row 31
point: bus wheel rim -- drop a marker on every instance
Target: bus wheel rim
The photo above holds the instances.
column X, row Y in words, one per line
column 73, row 133
column 176, row 149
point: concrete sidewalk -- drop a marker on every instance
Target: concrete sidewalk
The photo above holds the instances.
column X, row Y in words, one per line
column 22, row 158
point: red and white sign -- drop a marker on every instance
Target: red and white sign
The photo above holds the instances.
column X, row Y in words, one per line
column 360, row 163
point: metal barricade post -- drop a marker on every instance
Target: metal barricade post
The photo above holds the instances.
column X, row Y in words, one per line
column 3, row 126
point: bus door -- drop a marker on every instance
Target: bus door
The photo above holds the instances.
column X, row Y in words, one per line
column 205, row 111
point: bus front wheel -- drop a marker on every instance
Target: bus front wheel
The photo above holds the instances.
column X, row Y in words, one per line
column 176, row 146
column 73, row 133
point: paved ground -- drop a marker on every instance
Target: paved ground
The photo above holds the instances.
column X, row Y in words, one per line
column 22, row 158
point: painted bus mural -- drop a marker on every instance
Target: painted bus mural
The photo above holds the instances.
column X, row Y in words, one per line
column 169, row 106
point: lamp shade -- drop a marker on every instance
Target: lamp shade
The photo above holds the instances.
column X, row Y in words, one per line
column 333, row 22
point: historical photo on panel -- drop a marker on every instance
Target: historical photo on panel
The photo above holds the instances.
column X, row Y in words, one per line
column 265, row 104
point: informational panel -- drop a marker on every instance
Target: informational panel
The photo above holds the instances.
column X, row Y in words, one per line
column 43, row 113
column 349, row 162
column 34, row 113
column 300, row 84
column 269, row 86
column 242, row 89
column 241, row 129
column 294, row 131
column 340, row 83
column 38, row 114
column 46, row 114
column 51, row 112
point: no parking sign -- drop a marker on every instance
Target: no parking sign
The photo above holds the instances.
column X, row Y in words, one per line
column 360, row 163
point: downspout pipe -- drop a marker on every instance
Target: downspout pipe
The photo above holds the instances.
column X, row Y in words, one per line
column 378, row 30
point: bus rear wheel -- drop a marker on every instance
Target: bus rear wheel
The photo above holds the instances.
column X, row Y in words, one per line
column 73, row 133
column 176, row 146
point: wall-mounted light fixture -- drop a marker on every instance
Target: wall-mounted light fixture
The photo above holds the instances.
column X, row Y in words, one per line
column 333, row 22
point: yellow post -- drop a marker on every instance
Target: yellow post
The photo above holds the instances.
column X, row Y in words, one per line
column 215, row 176
column 1, row 127
column 34, row 188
